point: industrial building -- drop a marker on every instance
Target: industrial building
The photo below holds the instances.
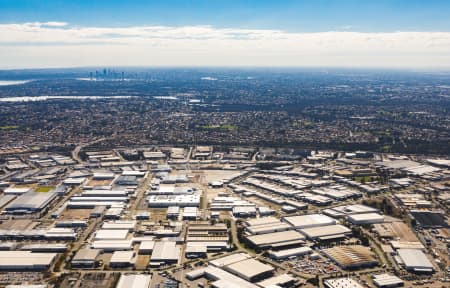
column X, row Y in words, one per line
column 266, row 225
column 387, row 281
column 309, row 221
column 122, row 259
column 107, row 234
column 365, row 219
column 146, row 247
column 230, row 259
column 221, row 278
column 195, row 250
column 415, row 260
column 282, row 280
column 166, row 252
column 276, row 240
column 112, row 245
column 346, row 210
column 119, row 225
column 85, row 258
column 30, row 202
column 25, row 260
column 134, row 281
column 287, row 253
column 174, row 200
column 342, row 283
column 351, row 257
column 326, row 233
column 250, row 269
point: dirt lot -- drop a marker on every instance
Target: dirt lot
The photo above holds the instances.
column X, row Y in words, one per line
column 396, row 230
column 76, row 214
column 105, row 182
column 142, row 261
column 158, row 214
column 18, row 224
column 218, row 175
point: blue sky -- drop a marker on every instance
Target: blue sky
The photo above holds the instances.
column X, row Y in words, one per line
column 295, row 16
column 412, row 34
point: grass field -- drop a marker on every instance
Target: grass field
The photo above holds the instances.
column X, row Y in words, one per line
column 10, row 127
column 44, row 188
column 220, row 127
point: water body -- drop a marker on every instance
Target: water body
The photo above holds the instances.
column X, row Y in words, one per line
column 17, row 82
column 45, row 98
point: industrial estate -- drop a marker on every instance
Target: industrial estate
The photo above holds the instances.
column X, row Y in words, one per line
column 209, row 216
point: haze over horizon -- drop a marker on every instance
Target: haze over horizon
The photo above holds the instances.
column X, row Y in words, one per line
column 386, row 34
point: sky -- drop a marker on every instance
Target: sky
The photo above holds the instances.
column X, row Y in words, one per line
column 412, row 34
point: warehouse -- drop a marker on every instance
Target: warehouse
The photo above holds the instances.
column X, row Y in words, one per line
column 250, row 269
column 126, row 180
column 103, row 175
column 345, row 210
column 429, row 219
column 74, row 181
column 365, row 219
column 173, row 212
column 221, row 278
column 244, row 211
column 387, row 281
column 146, row 247
column 190, row 213
column 309, row 221
column 282, row 280
column 351, row 257
column 85, row 258
column 415, row 261
column 25, row 260
column 230, row 259
column 112, row 245
column 293, row 252
column 266, row 225
column 342, row 283
column 134, row 281
column 276, row 239
column 92, row 204
column 195, row 250
column 166, row 252
column 45, row 247
column 99, row 199
column 30, row 202
column 5, row 199
column 174, row 200
column 17, row 190
column 104, row 193
column 60, row 234
column 326, row 233
column 105, row 234
column 211, row 246
column 122, row 259
column 172, row 190
column 120, row 225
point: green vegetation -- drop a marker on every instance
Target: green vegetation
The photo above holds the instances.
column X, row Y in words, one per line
column 365, row 179
column 10, row 127
column 303, row 123
column 219, row 127
column 44, row 188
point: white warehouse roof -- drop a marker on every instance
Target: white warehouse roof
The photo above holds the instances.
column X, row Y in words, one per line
column 134, row 281
column 308, row 221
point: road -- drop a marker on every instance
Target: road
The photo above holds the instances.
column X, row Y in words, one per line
column 76, row 151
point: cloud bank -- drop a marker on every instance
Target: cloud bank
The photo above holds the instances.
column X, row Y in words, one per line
column 57, row 44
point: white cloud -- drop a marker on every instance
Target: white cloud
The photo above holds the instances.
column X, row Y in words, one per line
column 55, row 24
column 56, row 44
